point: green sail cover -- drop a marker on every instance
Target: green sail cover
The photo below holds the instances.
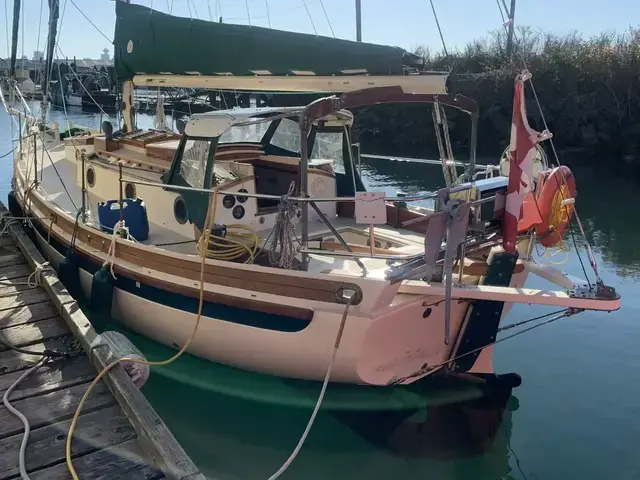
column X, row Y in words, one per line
column 152, row 42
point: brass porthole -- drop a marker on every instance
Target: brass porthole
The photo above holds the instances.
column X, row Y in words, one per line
column 91, row 177
column 130, row 190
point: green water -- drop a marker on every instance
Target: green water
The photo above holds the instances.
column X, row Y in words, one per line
column 576, row 415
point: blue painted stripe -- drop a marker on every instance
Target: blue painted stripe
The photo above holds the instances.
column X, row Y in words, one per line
column 242, row 316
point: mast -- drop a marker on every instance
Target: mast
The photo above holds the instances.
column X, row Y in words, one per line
column 54, row 11
column 14, row 38
column 358, row 21
column 512, row 14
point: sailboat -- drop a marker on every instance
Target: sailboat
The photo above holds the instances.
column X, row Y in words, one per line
column 299, row 258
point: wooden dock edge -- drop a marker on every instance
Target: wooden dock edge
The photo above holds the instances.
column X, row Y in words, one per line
column 155, row 437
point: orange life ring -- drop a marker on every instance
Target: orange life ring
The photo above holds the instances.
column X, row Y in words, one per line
column 560, row 185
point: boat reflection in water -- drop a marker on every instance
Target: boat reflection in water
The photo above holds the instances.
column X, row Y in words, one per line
column 236, row 438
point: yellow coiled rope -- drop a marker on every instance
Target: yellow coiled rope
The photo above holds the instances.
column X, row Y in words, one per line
column 232, row 246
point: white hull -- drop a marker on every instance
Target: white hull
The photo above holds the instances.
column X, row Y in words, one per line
column 373, row 350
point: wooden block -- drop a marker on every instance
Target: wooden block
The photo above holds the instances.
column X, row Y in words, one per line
column 100, row 143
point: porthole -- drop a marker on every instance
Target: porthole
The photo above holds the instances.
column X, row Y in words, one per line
column 261, row 221
column 180, row 210
column 91, row 177
column 426, row 313
column 242, row 198
column 228, row 201
column 130, row 190
column 238, row 212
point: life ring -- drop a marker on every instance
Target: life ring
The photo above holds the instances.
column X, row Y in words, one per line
column 556, row 206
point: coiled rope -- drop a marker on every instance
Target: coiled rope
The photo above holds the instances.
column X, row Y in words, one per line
column 232, row 246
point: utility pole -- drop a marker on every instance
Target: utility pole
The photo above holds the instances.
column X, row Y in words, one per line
column 512, row 15
column 358, row 21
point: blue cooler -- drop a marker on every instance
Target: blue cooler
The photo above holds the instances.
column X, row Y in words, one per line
column 134, row 216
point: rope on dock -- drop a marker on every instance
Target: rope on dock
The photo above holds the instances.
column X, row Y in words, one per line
column 17, row 413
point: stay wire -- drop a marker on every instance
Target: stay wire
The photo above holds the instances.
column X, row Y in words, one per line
column 444, row 45
column 559, row 314
column 304, row 2
column 590, row 255
column 89, row 20
column 327, row 17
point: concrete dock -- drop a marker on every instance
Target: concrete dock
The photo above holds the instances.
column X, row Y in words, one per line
column 119, row 435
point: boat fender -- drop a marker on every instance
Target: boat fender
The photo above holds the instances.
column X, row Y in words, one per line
column 556, row 204
column 101, row 297
column 121, row 347
column 69, row 275
column 14, row 205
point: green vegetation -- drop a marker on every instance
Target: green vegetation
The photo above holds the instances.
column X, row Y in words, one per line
column 589, row 90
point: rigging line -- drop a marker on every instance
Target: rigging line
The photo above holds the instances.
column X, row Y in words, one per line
column 38, row 72
column 266, row 4
column 557, row 315
column 304, row 2
column 55, row 169
column 84, row 88
column 327, row 17
column 7, row 154
column 501, row 12
column 22, row 15
column 190, row 12
column 208, row 8
column 195, row 11
column 246, row 2
column 435, row 16
column 171, row 7
column 590, row 255
column 89, row 20
column 6, row 27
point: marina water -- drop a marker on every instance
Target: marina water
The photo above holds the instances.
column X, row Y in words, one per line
column 576, row 415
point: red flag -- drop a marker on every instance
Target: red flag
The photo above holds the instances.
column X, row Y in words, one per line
column 522, row 151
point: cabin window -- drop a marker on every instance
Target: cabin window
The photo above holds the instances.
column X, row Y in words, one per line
column 246, row 133
column 287, row 136
column 328, row 146
column 194, row 162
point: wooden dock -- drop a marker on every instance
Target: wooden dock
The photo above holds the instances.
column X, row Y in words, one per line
column 118, row 436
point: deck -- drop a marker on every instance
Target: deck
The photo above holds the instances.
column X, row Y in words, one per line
column 118, row 435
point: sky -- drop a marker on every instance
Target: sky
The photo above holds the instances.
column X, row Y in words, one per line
column 404, row 23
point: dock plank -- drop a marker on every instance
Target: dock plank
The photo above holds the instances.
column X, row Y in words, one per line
column 29, row 333
column 61, row 374
column 27, row 314
column 119, row 435
column 21, row 269
column 11, row 361
column 103, row 428
column 123, row 462
column 28, row 297
column 53, row 407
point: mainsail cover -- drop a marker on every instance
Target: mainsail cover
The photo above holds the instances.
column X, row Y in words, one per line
column 151, row 42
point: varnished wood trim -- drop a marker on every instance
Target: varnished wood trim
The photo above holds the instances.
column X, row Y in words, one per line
column 229, row 300
column 189, row 266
